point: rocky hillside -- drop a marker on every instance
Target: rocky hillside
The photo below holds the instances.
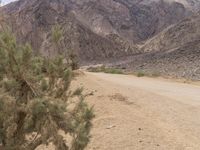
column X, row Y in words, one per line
column 94, row 29
column 175, row 36
column 182, row 62
column 174, row 52
column 32, row 21
column 133, row 20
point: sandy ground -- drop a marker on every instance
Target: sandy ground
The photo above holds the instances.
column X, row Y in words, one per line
column 142, row 113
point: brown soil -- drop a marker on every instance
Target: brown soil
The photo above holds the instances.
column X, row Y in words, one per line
column 142, row 113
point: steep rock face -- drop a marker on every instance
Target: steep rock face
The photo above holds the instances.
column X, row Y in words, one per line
column 132, row 20
column 33, row 20
column 94, row 29
column 156, row 16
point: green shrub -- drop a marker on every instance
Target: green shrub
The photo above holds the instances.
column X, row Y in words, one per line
column 44, row 85
column 113, row 71
column 140, row 74
column 105, row 70
column 29, row 104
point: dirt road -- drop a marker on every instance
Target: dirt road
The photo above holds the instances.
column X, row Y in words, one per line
column 142, row 113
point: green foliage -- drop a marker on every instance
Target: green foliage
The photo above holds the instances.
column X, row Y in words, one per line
column 44, row 85
column 113, row 71
column 81, row 130
column 143, row 73
column 73, row 60
column 57, row 34
column 105, row 70
column 57, row 38
column 140, row 74
column 34, row 98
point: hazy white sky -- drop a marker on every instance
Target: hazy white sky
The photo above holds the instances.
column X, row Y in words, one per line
column 6, row 1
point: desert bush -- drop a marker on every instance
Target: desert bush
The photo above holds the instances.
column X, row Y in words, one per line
column 34, row 98
column 105, row 70
column 58, row 43
column 113, row 71
column 140, row 74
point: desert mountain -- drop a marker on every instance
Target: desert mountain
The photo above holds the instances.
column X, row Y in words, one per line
column 94, row 29
column 175, row 51
column 32, row 21
column 175, row 36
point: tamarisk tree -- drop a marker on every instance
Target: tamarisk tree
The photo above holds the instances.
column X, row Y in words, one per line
column 35, row 101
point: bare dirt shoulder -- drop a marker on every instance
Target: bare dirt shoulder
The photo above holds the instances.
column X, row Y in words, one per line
column 142, row 113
